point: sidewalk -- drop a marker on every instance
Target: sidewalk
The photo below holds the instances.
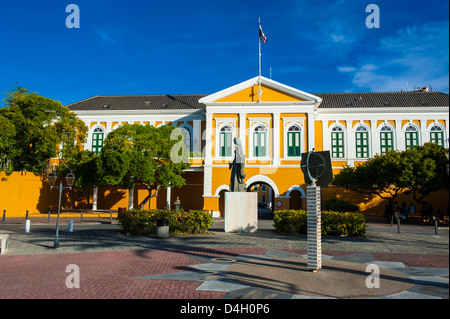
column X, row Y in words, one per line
column 413, row 264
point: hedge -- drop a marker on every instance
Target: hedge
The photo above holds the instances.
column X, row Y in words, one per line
column 143, row 222
column 333, row 223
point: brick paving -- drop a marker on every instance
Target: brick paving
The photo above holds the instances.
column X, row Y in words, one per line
column 112, row 265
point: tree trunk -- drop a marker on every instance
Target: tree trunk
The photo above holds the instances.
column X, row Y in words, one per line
column 146, row 199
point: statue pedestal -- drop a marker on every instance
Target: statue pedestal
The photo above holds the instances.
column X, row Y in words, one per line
column 241, row 212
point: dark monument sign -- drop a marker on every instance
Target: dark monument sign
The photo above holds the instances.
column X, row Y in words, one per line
column 316, row 166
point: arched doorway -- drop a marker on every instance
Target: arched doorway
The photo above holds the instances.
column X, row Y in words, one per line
column 266, row 199
column 295, row 201
column 296, row 196
column 222, row 202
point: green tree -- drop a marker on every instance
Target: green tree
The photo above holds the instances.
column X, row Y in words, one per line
column 144, row 154
column 85, row 165
column 38, row 128
column 420, row 170
column 429, row 165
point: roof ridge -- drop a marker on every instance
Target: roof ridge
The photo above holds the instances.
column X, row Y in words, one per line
column 87, row 99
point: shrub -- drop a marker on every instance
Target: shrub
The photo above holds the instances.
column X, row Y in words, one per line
column 143, row 222
column 333, row 223
column 338, row 204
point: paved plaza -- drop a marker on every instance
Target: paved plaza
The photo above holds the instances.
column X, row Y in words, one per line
column 412, row 264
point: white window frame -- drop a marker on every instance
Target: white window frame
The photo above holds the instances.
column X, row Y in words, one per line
column 254, row 123
column 417, row 129
column 369, row 139
column 393, row 131
column 344, row 131
column 442, row 127
column 220, row 123
column 189, row 129
column 288, row 123
column 91, row 135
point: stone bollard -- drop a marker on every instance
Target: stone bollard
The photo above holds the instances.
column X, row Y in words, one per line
column 27, row 226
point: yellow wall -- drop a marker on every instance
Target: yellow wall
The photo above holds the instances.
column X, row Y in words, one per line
column 20, row 192
column 251, row 95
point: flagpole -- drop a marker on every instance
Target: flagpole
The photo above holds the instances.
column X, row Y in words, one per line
column 259, row 78
column 259, row 41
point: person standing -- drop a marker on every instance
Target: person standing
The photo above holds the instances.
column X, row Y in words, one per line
column 412, row 211
column 424, row 212
column 404, row 212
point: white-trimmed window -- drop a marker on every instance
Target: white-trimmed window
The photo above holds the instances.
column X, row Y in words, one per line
column 294, row 141
column 437, row 135
column 337, row 142
column 411, row 136
column 97, row 139
column 187, row 137
column 362, row 142
column 260, row 141
column 225, row 141
column 386, row 139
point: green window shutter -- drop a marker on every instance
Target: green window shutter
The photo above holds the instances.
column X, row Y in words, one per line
column 386, row 141
column 97, row 142
column 411, row 139
column 437, row 137
column 362, row 144
column 293, row 143
column 259, row 144
column 337, row 144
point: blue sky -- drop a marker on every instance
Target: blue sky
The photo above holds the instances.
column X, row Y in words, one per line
column 201, row 47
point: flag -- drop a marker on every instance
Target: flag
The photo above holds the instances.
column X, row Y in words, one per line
column 262, row 37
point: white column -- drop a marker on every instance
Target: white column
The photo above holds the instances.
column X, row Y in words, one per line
column 108, row 128
column 311, row 141
column 208, row 133
column 242, row 131
column 400, row 139
column 276, row 139
column 168, row 197
column 374, row 139
column 350, row 141
column 325, row 136
column 207, row 179
column 446, row 134
column 424, row 136
column 95, row 197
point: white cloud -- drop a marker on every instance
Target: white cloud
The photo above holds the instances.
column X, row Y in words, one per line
column 346, row 69
column 415, row 55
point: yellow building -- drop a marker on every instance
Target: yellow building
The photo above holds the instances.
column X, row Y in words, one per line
column 276, row 123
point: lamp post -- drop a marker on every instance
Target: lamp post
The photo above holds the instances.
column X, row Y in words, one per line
column 70, row 178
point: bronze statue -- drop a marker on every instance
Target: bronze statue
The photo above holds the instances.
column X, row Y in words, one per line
column 237, row 168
